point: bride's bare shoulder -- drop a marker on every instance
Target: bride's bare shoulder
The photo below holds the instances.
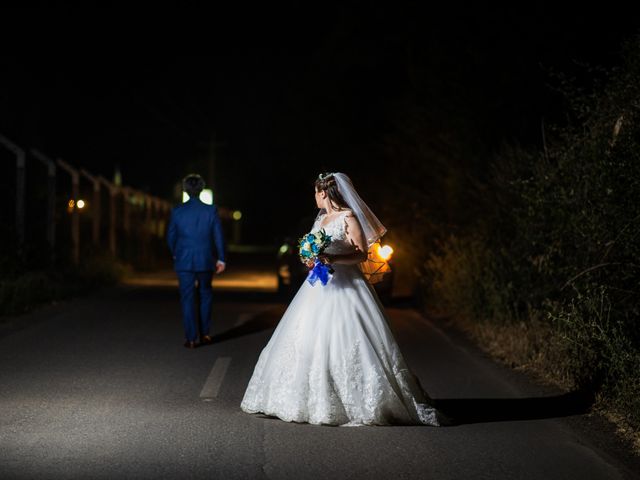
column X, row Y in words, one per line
column 350, row 221
column 347, row 212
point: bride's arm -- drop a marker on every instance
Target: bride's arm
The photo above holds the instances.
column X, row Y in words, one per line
column 356, row 238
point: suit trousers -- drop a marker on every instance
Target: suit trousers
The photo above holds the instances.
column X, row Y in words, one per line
column 187, row 282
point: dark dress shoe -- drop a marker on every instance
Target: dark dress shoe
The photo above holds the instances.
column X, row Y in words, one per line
column 206, row 340
column 190, row 344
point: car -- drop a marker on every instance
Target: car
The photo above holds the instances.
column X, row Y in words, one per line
column 292, row 272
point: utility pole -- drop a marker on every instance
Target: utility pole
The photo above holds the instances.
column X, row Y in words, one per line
column 75, row 218
column 51, row 199
column 21, row 165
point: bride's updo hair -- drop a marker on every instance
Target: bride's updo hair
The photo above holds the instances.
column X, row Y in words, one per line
column 326, row 183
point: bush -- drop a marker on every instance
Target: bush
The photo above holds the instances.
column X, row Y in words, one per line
column 600, row 353
column 461, row 279
column 557, row 246
column 22, row 292
column 32, row 288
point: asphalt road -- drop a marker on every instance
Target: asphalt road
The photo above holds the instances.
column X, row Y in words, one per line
column 102, row 387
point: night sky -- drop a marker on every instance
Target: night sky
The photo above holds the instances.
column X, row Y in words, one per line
column 293, row 92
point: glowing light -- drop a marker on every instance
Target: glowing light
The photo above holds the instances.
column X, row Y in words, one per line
column 284, row 248
column 72, row 203
column 206, row 196
column 117, row 177
column 237, row 215
column 81, row 204
column 285, row 274
column 385, row 252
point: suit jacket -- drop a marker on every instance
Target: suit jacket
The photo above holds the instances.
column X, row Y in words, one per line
column 195, row 236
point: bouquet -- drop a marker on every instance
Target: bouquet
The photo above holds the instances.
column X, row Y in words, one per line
column 310, row 247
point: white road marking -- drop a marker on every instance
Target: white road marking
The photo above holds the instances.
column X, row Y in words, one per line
column 214, row 380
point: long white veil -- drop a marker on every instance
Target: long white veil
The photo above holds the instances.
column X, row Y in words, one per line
column 374, row 267
column 371, row 226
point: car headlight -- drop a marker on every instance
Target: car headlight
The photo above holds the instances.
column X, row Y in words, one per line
column 384, row 252
column 285, row 274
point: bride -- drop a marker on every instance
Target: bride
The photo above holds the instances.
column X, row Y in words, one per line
column 333, row 359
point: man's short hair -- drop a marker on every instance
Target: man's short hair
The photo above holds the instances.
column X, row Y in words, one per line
column 193, row 184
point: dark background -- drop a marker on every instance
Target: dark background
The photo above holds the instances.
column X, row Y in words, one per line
column 281, row 94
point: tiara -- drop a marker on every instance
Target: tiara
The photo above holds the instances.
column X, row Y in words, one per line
column 324, row 177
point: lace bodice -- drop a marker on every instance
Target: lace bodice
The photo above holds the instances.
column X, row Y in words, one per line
column 337, row 228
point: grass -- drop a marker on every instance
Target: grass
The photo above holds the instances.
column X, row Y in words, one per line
column 537, row 350
column 22, row 292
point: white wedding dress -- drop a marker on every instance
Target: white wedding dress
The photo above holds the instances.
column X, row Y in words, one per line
column 333, row 360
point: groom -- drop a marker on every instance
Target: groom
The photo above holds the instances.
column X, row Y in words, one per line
column 197, row 246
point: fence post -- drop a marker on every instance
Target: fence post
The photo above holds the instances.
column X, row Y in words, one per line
column 51, row 199
column 96, row 211
column 167, row 214
column 148, row 205
column 21, row 165
column 126, row 210
column 113, row 192
column 75, row 218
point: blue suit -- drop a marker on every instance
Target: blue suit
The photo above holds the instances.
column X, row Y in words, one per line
column 196, row 243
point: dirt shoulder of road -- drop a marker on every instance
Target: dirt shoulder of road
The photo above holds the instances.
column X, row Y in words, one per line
column 605, row 428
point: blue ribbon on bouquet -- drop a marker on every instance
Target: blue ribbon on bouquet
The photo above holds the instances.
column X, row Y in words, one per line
column 321, row 272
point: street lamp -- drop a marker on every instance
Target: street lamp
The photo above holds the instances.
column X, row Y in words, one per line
column 236, row 215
